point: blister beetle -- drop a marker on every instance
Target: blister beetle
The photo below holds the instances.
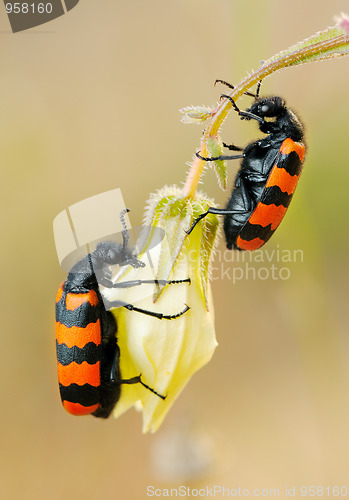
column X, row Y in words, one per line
column 268, row 176
column 87, row 351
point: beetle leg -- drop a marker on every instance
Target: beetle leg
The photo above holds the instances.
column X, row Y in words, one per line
column 114, row 371
column 119, row 303
column 129, row 284
column 232, row 87
column 138, row 380
column 220, row 157
column 232, row 147
column 217, row 211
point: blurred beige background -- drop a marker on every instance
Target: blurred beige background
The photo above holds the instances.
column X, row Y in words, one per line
column 89, row 102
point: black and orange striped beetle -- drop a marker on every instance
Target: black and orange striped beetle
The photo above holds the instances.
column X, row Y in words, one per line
column 87, row 350
column 268, row 176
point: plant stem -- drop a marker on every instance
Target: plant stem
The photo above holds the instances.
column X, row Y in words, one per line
column 315, row 50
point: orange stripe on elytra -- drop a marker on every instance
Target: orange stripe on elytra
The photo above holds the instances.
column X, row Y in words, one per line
column 249, row 245
column 78, row 409
column 286, row 182
column 289, row 145
column 79, row 374
column 74, row 300
column 264, row 215
column 79, row 337
column 60, row 292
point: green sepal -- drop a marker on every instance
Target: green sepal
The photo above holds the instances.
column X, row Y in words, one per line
column 214, row 146
column 207, row 239
column 168, row 210
column 174, row 218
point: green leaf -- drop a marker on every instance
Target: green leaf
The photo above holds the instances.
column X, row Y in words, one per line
column 207, row 240
column 173, row 213
column 214, row 146
column 174, row 218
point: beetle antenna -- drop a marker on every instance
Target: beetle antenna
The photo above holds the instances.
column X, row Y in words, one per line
column 125, row 235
